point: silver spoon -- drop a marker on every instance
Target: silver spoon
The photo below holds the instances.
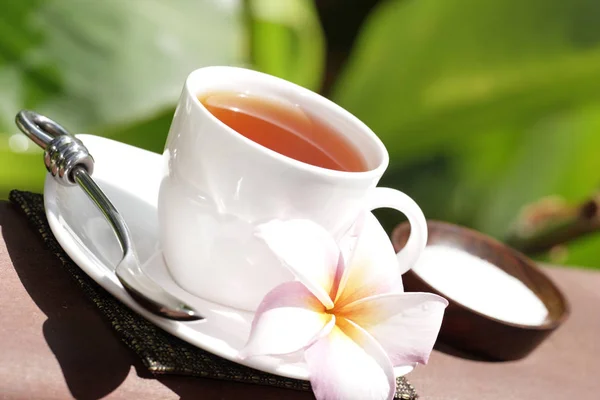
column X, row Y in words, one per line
column 70, row 163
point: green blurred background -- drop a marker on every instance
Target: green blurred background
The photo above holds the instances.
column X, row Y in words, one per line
column 485, row 106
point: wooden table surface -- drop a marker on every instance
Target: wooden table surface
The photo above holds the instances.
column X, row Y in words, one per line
column 55, row 345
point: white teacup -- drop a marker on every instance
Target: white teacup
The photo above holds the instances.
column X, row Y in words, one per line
column 219, row 184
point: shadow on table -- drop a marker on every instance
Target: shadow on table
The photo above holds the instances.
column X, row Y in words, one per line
column 91, row 357
column 451, row 351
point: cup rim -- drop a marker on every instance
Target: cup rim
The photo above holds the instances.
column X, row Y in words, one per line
column 347, row 175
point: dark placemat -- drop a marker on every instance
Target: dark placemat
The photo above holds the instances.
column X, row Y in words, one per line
column 161, row 352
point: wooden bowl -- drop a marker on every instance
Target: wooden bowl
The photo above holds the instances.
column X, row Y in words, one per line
column 473, row 332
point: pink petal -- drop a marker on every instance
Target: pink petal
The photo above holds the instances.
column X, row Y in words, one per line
column 308, row 250
column 288, row 319
column 373, row 268
column 349, row 364
column 347, row 247
column 405, row 324
column 349, row 240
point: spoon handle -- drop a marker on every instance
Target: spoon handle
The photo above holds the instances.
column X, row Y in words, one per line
column 70, row 163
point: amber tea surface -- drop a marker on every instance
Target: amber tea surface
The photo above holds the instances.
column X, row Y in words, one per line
column 286, row 129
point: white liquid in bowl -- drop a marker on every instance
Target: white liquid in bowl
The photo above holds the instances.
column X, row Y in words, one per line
column 479, row 285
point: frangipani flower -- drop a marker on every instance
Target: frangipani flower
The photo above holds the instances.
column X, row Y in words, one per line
column 351, row 319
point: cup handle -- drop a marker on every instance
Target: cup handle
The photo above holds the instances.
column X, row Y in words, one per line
column 382, row 197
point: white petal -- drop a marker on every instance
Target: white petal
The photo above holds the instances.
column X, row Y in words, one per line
column 405, row 324
column 373, row 268
column 349, row 364
column 308, row 250
column 288, row 319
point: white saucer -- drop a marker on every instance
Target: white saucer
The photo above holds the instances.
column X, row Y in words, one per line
column 131, row 177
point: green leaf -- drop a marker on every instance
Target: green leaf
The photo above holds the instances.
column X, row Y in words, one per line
column 96, row 66
column 287, row 40
column 425, row 74
column 484, row 106
column 558, row 156
column 16, row 172
column 97, row 63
